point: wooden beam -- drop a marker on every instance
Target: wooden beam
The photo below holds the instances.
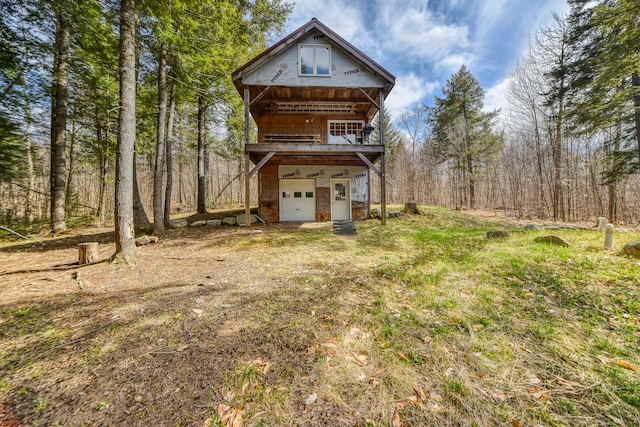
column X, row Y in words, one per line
column 368, row 163
column 383, row 183
column 247, row 161
column 302, row 148
column 247, row 115
column 369, row 98
column 259, row 96
column 261, row 164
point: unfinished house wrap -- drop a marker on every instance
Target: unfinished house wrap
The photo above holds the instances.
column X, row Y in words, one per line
column 313, row 96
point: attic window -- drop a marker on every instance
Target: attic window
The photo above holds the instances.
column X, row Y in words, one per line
column 314, row 60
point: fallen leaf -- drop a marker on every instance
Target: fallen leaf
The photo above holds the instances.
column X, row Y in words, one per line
column 541, row 395
column 498, row 395
column 626, row 365
column 245, row 386
column 231, row 417
column 396, row 421
column 401, row 404
column 360, row 359
column 516, row 423
column 261, row 364
column 421, row 394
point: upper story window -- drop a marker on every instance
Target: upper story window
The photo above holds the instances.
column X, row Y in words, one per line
column 345, row 131
column 314, row 59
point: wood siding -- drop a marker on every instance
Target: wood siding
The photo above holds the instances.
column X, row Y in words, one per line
column 269, row 197
column 323, row 204
column 301, row 124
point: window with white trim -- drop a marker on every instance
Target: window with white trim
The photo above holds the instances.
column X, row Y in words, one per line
column 314, row 60
column 345, row 131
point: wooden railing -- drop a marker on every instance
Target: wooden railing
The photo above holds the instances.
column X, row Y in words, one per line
column 292, row 138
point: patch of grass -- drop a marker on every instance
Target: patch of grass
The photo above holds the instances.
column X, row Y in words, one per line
column 40, row 404
column 423, row 320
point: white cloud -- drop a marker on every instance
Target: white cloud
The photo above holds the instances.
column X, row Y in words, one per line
column 416, row 32
column 495, row 97
column 409, row 90
column 452, row 63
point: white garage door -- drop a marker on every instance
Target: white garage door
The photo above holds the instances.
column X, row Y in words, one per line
column 297, row 200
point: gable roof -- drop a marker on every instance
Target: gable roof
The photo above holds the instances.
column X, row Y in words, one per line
column 298, row 34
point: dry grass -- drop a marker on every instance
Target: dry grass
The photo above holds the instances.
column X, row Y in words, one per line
column 421, row 322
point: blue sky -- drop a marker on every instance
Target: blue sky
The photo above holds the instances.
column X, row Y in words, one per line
column 423, row 42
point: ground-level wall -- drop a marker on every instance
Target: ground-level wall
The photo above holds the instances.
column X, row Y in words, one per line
column 269, row 188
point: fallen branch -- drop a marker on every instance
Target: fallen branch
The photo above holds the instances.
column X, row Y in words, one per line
column 74, row 341
column 14, row 232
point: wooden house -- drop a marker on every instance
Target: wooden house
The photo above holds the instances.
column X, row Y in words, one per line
column 313, row 96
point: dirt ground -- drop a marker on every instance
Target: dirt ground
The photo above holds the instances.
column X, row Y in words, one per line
column 206, row 313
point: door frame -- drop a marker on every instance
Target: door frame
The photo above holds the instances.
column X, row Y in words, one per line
column 347, row 193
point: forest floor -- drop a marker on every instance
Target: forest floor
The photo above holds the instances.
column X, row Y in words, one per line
column 421, row 322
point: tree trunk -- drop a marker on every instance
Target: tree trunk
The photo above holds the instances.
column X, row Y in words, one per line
column 635, row 82
column 69, row 193
column 140, row 218
column 29, row 199
column 158, row 175
column 202, row 206
column 59, row 98
column 169, row 187
column 104, row 163
column 124, row 230
column 472, row 184
column 613, row 180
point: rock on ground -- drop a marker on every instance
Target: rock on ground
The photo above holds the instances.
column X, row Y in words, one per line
column 552, row 240
column 632, row 249
column 178, row 223
column 145, row 240
column 532, row 227
column 240, row 219
column 497, row 234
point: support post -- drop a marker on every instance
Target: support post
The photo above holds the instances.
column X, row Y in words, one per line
column 247, row 194
column 383, row 184
column 247, row 161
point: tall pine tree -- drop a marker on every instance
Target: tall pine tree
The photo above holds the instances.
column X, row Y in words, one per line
column 462, row 130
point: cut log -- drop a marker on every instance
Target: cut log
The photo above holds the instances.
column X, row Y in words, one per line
column 88, row 253
column 411, row 208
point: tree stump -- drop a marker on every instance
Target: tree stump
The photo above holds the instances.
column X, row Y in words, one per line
column 88, row 253
column 411, row 208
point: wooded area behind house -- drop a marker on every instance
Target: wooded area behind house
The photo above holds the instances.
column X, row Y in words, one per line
column 567, row 148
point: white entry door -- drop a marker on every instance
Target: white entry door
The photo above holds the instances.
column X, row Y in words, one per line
column 297, row 200
column 340, row 200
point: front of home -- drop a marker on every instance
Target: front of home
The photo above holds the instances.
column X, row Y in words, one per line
column 313, row 96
